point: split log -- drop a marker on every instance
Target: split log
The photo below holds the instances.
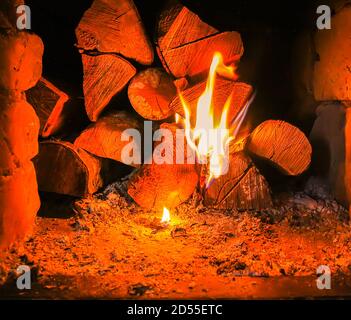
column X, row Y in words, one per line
column 241, row 93
column 19, row 127
column 332, row 76
column 155, row 186
column 64, row 169
column 150, row 92
column 104, row 76
column 21, row 66
column 48, row 102
column 186, row 44
column 114, row 26
column 19, row 200
column 185, row 25
column 241, row 188
column 283, row 145
column 104, row 138
column 19, row 203
column 20, row 60
column 347, row 178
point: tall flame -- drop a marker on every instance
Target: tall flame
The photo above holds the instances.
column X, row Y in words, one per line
column 210, row 140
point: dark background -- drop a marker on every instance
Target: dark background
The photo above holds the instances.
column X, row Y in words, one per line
column 268, row 29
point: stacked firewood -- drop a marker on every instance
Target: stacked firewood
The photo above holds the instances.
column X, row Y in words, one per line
column 112, row 42
column 20, row 64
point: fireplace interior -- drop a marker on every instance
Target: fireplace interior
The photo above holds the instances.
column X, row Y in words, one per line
column 94, row 89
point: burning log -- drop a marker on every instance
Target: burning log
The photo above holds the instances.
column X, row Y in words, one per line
column 104, row 138
column 283, row 145
column 186, row 44
column 155, row 186
column 241, row 93
column 151, row 92
column 48, row 102
column 241, row 188
column 114, row 26
column 62, row 168
column 104, row 76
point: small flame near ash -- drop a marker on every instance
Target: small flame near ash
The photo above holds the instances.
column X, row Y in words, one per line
column 166, row 217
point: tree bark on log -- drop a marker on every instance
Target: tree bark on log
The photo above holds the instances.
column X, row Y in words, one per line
column 64, row 169
column 155, row 186
column 150, row 92
column 114, row 26
column 189, row 53
column 104, row 138
column 104, row 76
column 48, row 102
column 241, row 188
column 283, row 145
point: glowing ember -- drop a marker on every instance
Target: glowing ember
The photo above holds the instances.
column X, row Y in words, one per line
column 166, row 218
column 210, row 140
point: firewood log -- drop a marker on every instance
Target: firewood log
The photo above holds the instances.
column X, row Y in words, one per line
column 64, row 169
column 19, row 127
column 331, row 77
column 240, row 92
column 241, row 188
column 186, row 44
column 150, row 93
column 155, row 186
column 19, row 200
column 21, row 66
column 104, row 76
column 48, row 102
column 347, row 178
column 104, row 137
column 283, row 145
column 20, row 60
column 19, row 203
column 114, row 26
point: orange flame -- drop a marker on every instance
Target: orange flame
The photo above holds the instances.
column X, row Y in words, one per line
column 209, row 140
